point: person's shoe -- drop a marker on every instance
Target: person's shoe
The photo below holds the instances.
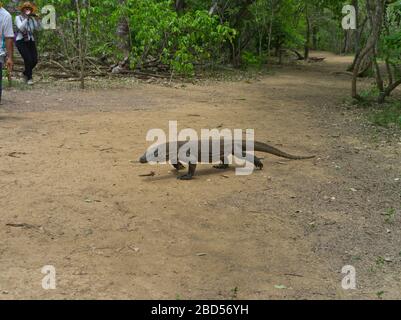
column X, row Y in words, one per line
column 30, row 82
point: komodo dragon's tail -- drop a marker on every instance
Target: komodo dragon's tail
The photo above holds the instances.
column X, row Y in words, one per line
column 263, row 147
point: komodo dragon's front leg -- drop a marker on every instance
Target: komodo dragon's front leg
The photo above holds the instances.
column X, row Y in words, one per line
column 223, row 165
column 190, row 174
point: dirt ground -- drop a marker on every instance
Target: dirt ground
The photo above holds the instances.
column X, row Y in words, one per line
column 71, row 195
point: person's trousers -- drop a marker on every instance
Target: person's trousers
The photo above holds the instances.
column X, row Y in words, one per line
column 28, row 51
column 1, row 80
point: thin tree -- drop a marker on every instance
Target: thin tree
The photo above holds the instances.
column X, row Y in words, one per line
column 375, row 10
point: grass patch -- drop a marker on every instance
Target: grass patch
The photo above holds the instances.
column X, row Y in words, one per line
column 368, row 96
column 388, row 116
column 389, row 215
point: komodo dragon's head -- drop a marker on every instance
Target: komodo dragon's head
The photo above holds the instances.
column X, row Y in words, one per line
column 143, row 159
column 151, row 154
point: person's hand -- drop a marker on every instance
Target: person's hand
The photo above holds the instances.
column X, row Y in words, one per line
column 10, row 64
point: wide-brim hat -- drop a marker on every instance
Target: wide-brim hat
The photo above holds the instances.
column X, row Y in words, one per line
column 27, row 5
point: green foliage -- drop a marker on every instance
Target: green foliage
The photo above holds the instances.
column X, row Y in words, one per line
column 390, row 214
column 369, row 95
column 179, row 41
column 238, row 31
column 101, row 30
column 388, row 116
column 279, row 20
column 157, row 33
column 251, row 59
column 391, row 44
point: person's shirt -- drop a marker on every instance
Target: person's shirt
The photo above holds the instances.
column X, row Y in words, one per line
column 26, row 27
column 6, row 30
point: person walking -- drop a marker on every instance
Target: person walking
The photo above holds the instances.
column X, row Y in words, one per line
column 27, row 22
column 6, row 51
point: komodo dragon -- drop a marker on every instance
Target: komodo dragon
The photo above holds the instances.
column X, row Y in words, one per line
column 155, row 152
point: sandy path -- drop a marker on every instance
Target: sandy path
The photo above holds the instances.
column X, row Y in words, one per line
column 113, row 234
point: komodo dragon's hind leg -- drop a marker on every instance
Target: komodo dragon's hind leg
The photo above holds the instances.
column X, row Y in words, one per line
column 190, row 174
column 258, row 163
column 178, row 166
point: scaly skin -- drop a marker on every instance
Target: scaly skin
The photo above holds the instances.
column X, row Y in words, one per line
column 258, row 146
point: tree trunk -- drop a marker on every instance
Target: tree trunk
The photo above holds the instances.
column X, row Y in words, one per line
column 308, row 34
column 349, row 40
column 242, row 13
column 213, row 8
column 358, row 33
column 375, row 9
column 123, row 33
column 314, row 38
column 299, row 56
column 179, row 6
column 392, row 83
column 379, row 78
column 269, row 43
column 389, row 90
column 236, row 23
column 351, row 37
column 80, row 45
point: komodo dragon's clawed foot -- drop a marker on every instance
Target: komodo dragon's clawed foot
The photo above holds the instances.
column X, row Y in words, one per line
column 221, row 166
column 255, row 160
column 190, row 174
column 258, row 164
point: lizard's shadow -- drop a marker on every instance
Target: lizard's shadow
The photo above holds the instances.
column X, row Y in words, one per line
column 5, row 118
column 199, row 172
